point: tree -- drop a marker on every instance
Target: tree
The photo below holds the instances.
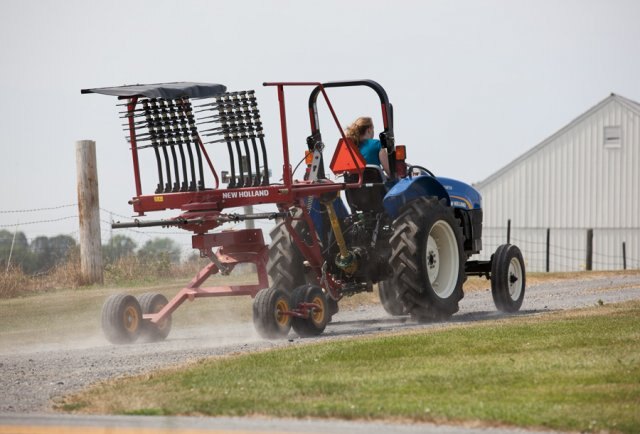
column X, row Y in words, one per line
column 20, row 254
column 61, row 245
column 49, row 252
column 41, row 251
column 6, row 239
column 160, row 249
column 119, row 246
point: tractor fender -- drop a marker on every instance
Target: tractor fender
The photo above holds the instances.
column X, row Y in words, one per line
column 410, row 188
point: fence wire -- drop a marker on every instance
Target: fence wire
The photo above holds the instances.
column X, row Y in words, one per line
column 567, row 248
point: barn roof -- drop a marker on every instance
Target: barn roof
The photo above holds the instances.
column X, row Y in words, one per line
column 630, row 104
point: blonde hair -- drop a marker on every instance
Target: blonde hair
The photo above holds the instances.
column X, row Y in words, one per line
column 357, row 129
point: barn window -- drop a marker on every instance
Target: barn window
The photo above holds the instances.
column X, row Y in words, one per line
column 613, row 137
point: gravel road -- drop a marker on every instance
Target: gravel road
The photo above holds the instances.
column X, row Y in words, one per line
column 34, row 378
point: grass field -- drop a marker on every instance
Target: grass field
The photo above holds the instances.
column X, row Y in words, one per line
column 577, row 370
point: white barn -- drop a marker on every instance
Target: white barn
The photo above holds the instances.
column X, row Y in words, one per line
column 585, row 176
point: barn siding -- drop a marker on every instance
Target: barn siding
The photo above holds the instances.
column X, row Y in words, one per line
column 570, row 183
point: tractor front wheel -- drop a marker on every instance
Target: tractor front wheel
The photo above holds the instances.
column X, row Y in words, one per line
column 269, row 317
column 507, row 278
column 121, row 319
column 427, row 257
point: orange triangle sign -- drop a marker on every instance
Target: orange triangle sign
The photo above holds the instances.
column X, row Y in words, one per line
column 347, row 158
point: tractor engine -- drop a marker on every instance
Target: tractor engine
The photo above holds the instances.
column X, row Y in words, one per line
column 366, row 242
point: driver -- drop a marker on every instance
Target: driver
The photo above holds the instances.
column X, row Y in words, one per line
column 361, row 133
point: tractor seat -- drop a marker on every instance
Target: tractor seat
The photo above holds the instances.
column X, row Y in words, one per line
column 367, row 197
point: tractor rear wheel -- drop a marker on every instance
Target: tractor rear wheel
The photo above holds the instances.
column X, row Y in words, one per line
column 427, row 257
column 285, row 266
column 269, row 318
column 507, row 278
column 318, row 318
column 121, row 319
column 152, row 302
column 390, row 300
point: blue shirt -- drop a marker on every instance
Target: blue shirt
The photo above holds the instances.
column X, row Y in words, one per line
column 370, row 150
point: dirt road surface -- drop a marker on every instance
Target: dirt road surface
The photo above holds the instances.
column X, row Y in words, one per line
column 35, row 377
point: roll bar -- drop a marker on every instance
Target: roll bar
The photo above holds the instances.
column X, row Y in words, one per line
column 386, row 136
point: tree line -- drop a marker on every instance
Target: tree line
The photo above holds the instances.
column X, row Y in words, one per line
column 44, row 253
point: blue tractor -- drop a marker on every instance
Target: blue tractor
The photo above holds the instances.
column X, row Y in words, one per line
column 410, row 232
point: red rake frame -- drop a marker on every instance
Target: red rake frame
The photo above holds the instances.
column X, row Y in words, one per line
column 202, row 212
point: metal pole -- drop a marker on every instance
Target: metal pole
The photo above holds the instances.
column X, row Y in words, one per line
column 589, row 249
column 89, row 212
column 509, row 231
column 624, row 255
column 286, row 167
column 548, row 247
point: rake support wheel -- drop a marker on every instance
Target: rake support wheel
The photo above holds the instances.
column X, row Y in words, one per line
column 319, row 316
column 151, row 302
column 269, row 316
column 121, row 319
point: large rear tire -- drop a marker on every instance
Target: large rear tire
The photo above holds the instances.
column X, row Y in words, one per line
column 428, row 258
column 508, row 278
column 390, row 299
column 285, row 266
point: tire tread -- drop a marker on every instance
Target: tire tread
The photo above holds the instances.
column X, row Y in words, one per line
column 409, row 232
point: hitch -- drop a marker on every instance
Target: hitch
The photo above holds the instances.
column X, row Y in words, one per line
column 222, row 218
column 151, row 223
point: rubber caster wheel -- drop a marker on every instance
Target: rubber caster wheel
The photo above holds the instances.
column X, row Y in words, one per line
column 152, row 302
column 269, row 318
column 507, row 278
column 319, row 316
column 121, row 319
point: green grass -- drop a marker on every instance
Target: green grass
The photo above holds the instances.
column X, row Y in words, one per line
column 568, row 371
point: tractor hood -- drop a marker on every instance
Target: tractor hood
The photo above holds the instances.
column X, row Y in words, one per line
column 462, row 195
column 456, row 193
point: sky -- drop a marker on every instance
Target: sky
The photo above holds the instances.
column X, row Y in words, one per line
column 474, row 84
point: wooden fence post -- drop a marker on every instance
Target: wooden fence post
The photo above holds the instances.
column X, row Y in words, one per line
column 89, row 212
column 624, row 255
